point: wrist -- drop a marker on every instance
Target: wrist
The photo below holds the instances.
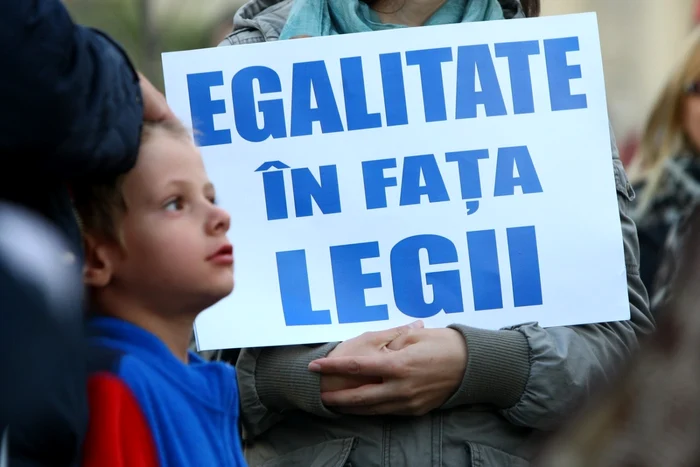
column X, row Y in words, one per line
column 282, row 379
column 497, row 370
column 458, row 356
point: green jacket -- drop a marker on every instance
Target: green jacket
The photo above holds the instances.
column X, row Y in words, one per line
column 519, row 382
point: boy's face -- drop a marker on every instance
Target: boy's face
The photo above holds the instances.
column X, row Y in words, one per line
column 175, row 252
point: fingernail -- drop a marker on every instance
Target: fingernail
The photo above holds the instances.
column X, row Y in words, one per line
column 315, row 367
column 415, row 324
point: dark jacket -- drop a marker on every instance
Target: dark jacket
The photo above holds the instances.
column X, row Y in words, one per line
column 42, row 355
column 677, row 192
column 70, row 107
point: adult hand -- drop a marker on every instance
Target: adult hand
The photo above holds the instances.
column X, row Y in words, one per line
column 367, row 344
column 420, row 371
column 155, row 107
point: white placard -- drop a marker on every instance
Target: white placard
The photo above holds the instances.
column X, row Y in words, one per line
column 458, row 174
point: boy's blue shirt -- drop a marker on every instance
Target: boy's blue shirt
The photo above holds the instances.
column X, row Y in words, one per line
column 192, row 409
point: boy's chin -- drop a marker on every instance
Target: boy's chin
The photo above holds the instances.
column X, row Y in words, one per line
column 218, row 291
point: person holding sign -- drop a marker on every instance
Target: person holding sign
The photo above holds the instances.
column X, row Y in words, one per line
column 412, row 396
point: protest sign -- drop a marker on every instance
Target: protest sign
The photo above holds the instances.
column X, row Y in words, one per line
column 456, row 174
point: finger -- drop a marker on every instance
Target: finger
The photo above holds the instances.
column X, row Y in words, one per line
column 404, row 340
column 155, row 107
column 362, row 411
column 384, row 337
column 339, row 382
column 382, row 366
column 364, row 396
column 390, row 408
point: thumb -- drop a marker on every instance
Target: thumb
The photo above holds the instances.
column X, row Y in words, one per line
column 155, row 106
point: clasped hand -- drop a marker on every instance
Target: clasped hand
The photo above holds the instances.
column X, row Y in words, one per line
column 407, row 370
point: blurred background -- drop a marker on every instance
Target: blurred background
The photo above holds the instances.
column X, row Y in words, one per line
column 640, row 38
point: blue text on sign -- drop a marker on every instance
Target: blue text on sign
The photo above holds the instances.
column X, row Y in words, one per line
column 351, row 282
column 420, row 181
column 312, row 79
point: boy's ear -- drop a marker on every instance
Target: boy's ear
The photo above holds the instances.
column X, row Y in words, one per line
column 98, row 268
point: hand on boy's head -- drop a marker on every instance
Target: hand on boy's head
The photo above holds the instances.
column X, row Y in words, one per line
column 155, row 107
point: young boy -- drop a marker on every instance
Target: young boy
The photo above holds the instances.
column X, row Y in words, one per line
column 156, row 256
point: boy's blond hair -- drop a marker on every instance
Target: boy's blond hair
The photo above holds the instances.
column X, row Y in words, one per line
column 99, row 205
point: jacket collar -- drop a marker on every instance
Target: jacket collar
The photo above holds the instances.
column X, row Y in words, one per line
column 211, row 383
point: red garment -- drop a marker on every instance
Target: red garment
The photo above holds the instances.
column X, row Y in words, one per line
column 118, row 433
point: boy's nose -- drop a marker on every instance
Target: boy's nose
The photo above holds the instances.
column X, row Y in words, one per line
column 220, row 221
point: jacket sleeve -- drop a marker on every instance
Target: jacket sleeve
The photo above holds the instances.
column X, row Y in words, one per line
column 71, row 101
column 536, row 376
column 672, row 256
column 118, row 433
column 273, row 380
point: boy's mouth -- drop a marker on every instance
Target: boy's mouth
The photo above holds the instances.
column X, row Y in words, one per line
column 223, row 255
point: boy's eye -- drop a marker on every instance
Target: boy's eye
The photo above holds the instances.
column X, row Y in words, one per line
column 175, row 204
column 212, row 199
